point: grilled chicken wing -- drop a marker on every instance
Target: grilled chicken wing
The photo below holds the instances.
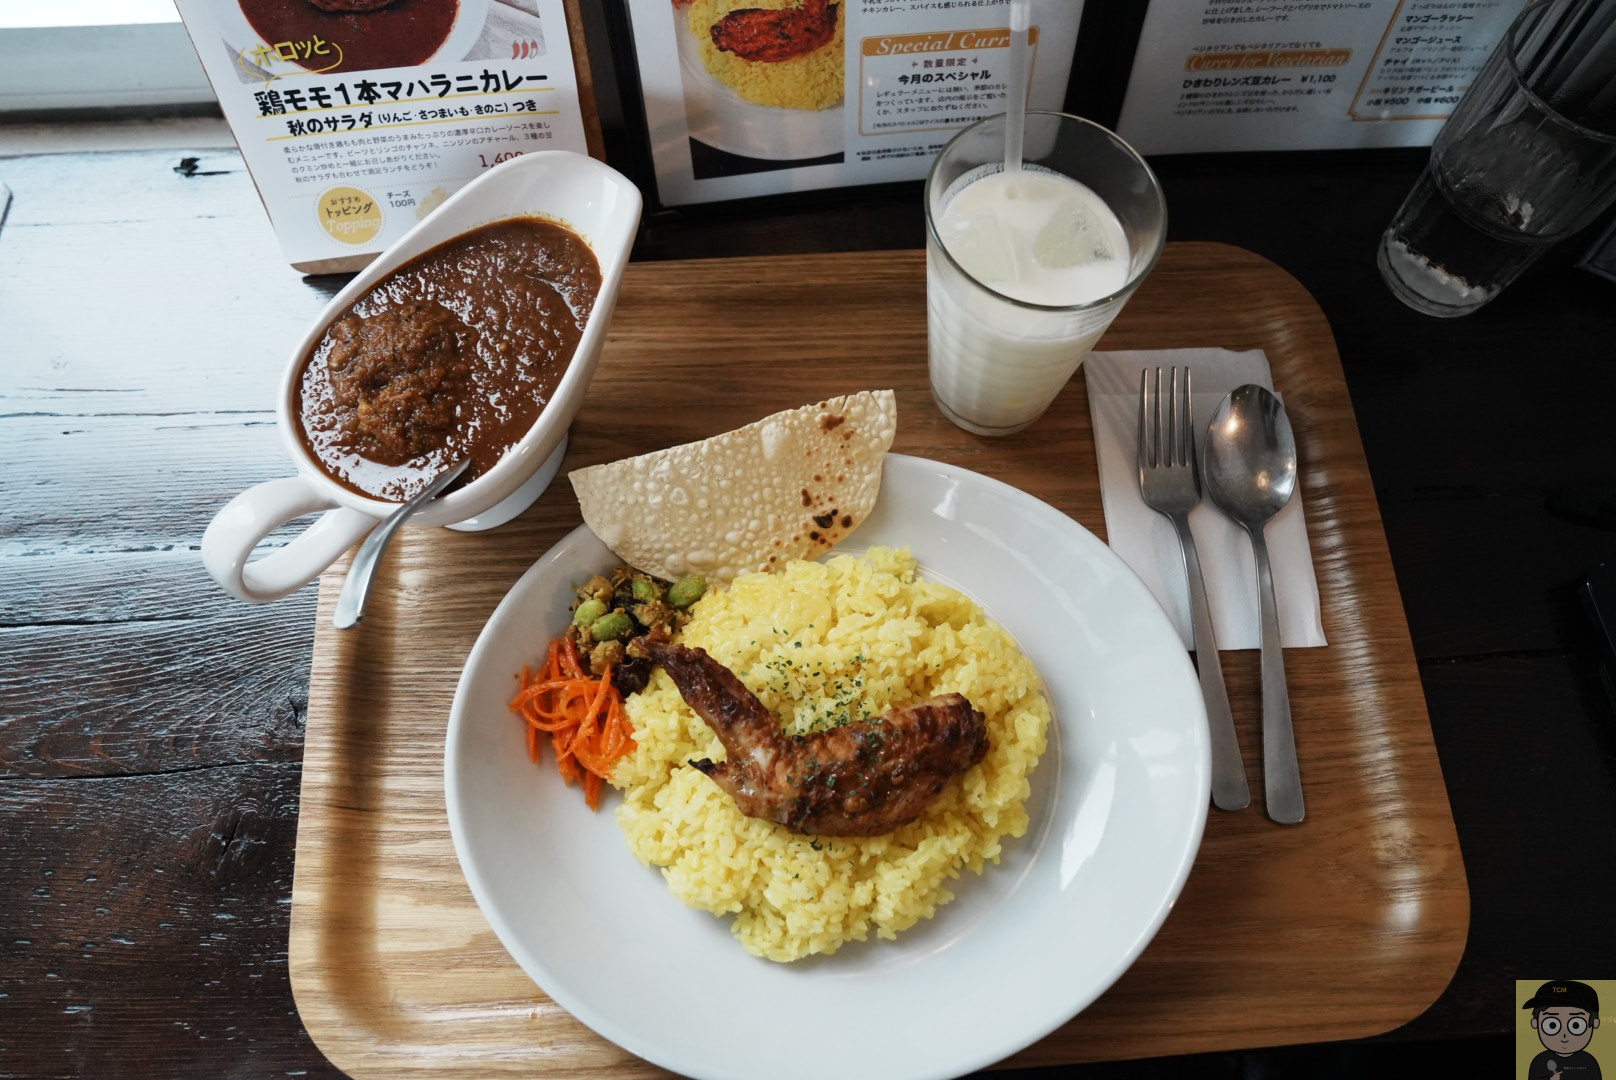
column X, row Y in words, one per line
column 861, row 779
column 771, row 35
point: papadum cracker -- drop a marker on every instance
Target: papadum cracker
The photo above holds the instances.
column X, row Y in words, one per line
column 789, row 486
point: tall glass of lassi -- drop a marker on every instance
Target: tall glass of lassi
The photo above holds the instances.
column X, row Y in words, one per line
column 1026, row 268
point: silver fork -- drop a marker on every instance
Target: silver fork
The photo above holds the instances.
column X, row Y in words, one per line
column 1171, row 486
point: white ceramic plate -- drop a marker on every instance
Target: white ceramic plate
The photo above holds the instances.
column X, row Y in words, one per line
column 1118, row 805
column 721, row 118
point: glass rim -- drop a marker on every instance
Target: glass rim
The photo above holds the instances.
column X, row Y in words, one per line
column 1532, row 13
column 1134, row 278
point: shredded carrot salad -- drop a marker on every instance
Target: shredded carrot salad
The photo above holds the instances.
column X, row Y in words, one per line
column 583, row 716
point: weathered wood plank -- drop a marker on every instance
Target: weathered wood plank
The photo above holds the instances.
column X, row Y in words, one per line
column 112, row 256
column 129, row 483
column 144, row 930
column 109, row 587
column 131, row 186
column 217, row 683
column 227, row 353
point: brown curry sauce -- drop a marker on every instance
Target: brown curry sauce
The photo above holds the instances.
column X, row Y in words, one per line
column 454, row 354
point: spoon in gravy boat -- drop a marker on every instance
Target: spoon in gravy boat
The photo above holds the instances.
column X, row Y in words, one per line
column 356, row 586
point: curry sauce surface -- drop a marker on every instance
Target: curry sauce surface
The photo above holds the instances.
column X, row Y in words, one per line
column 454, row 354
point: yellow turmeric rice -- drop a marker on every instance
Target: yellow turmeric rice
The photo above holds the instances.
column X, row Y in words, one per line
column 821, row 644
column 811, row 82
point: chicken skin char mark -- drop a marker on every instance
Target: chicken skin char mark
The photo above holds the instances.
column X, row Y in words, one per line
column 861, row 779
column 770, row 35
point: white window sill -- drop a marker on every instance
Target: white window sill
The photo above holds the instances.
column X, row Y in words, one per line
column 69, row 135
column 70, row 55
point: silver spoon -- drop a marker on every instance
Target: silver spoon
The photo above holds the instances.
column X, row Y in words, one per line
column 356, row 586
column 1250, row 471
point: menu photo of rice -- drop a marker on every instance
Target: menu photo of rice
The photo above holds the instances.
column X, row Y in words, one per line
column 763, row 79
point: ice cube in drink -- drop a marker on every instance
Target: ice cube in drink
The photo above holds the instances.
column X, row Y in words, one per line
column 1036, row 236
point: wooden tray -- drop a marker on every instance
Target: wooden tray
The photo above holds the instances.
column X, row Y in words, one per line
column 1345, row 926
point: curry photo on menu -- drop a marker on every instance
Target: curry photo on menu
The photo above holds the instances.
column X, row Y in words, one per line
column 763, row 79
column 361, row 35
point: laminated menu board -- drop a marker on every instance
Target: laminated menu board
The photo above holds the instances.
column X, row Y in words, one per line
column 1212, row 75
column 357, row 117
column 760, row 97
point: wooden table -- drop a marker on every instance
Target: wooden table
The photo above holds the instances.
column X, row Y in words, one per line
column 153, row 732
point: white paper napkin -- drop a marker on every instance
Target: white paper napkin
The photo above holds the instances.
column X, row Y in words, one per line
column 1147, row 541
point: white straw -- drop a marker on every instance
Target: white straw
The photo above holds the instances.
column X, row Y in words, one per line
column 1015, row 111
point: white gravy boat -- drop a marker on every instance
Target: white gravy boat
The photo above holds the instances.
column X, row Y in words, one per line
column 590, row 198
